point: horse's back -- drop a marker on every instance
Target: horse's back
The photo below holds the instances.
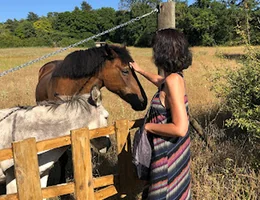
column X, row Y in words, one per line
column 44, row 79
column 47, row 69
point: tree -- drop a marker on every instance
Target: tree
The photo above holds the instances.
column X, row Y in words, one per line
column 25, row 30
column 203, row 24
column 52, row 15
column 43, row 25
column 85, row 6
column 62, row 22
column 76, row 8
column 11, row 25
column 224, row 29
column 32, row 17
column 106, row 18
column 141, row 32
column 43, row 28
column 255, row 27
column 121, row 35
column 184, row 19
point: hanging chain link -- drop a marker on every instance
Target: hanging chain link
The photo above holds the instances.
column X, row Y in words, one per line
column 76, row 44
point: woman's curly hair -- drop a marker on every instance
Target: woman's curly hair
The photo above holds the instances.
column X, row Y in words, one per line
column 171, row 50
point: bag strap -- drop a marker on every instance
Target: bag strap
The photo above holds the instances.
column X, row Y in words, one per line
column 147, row 114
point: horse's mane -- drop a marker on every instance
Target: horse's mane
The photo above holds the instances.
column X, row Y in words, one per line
column 73, row 102
column 85, row 63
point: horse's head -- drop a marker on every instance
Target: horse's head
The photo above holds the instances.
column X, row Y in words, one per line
column 98, row 119
column 119, row 78
column 104, row 66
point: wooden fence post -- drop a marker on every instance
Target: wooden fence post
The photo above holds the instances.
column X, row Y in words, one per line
column 125, row 167
column 166, row 18
column 82, row 165
column 166, row 15
column 27, row 169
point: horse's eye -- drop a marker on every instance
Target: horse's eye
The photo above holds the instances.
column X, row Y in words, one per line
column 125, row 72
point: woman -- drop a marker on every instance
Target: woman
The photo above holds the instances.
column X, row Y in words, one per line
column 168, row 120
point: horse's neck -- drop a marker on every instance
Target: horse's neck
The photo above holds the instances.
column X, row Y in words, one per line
column 62, row 120
column 42, row 123
column 89, row 83
column 66, row 86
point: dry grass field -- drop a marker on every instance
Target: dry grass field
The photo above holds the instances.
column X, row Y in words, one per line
column 228, row 171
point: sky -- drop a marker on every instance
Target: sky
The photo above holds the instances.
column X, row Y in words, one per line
column 19, row 9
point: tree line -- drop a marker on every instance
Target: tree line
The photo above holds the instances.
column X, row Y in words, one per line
column 205, row 22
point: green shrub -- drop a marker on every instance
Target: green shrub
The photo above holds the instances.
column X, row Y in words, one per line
column 8, row 41
column 240, row 91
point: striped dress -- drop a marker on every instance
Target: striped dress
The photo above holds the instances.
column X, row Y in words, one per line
column 170, row 164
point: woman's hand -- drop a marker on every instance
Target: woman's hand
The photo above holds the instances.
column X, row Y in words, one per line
column 135, row 66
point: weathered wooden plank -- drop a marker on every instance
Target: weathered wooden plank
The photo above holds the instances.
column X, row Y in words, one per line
column 106, row 192
column 59, row 142
column 81, row 156
column 53, row 143
column 122, row 132
column 6, row 154
column 109, row 130
column 27, row 169
column 68, row 188
column 9, row 197
column 105, row 180
column 58, row 190
column 65, row 140
column 125, row 167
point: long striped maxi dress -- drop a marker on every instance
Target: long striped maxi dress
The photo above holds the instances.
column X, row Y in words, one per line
column 170, row 164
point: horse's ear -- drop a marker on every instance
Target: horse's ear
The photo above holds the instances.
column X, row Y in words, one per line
column 110, row 53
column 96, row 95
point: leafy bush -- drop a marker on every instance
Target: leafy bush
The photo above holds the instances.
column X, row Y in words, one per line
column 241, row 93
column 8, row 40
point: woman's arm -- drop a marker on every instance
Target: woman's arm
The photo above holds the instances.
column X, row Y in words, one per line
column 154, row 78
column 174, row 99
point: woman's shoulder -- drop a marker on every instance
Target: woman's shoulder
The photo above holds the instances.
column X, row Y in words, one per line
column 173, row 78
column 174, row 83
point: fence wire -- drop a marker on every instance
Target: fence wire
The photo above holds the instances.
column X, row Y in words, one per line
column 76, row 44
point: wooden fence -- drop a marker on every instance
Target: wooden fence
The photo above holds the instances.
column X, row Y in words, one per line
column 84, row 187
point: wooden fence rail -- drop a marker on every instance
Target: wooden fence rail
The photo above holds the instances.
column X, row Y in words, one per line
column 27, row 171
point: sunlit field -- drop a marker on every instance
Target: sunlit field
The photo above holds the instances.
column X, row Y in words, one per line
column 19, row 87
column 225, row 172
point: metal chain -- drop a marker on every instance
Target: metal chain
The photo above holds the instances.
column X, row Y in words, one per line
column 76, row 44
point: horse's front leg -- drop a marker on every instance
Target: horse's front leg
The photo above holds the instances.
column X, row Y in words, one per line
column 10, row 181
column 44, row 180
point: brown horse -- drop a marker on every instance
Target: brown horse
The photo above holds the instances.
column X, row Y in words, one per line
column 80, row 70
